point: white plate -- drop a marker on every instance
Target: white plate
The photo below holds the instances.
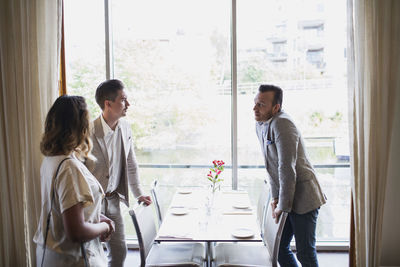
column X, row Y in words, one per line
column 243, row 233
column 179, row 211
column 184, row 191
column 241, row 205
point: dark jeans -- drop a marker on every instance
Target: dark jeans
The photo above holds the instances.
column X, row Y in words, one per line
column 302, row 227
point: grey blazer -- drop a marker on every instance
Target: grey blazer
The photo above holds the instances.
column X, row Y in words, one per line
column 100, row 168
column 291, row 176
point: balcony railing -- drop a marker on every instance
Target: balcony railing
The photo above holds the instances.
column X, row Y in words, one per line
column 309, row 84
column 200, row 166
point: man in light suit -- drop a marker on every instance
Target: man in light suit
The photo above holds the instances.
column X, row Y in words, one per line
column 293, row 183
column 116, row 168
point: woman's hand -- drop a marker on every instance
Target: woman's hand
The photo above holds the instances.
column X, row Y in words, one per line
column 77, row 230
column 111, row 228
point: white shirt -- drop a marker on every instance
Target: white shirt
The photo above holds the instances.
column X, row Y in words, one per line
column 74, row 184
column 264, row 129
column 113, row 140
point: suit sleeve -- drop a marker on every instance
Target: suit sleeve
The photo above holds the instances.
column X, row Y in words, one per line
column 287, row 140
column 274, row 188
column 133, row 171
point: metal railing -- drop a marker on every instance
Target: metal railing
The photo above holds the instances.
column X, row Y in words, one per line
column 304, row 84
column 201, row 166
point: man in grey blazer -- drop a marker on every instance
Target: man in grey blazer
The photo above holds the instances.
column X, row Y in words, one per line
column 116, row 168
column 293, row 183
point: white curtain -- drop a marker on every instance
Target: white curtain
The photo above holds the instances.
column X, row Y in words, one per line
column 374, row 85
column 29, row 57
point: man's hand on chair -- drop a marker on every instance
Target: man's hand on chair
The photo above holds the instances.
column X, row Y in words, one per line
column 276, row 213
column 145, row 199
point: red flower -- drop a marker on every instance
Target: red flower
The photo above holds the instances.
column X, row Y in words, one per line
column 218, row 163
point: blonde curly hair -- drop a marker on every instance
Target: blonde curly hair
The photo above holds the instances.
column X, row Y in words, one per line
column 67, row 128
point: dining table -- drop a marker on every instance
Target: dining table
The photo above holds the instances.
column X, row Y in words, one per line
column 198, row 215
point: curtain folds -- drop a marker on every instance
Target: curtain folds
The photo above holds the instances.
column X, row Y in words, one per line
column 29, row 55
column 374, row 85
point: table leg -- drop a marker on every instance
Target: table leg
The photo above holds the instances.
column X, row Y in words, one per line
column 209, row 253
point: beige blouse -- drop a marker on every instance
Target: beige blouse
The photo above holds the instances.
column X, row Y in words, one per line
column 74, row 184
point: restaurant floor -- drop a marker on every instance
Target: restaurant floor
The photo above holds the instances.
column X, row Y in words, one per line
column 325, row 259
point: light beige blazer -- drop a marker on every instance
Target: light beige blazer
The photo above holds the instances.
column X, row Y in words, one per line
column 100, row 168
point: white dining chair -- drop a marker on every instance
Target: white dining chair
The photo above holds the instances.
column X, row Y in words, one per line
column 156, row 201
column 253, row 255
column 162, row 254
column 262, row 202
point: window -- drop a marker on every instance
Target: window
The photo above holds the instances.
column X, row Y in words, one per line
column 313, row 29
column 316, row 57
column 175, row 59
column 84, row 48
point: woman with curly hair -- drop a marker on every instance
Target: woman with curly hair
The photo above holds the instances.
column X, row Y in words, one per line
column 71, row 226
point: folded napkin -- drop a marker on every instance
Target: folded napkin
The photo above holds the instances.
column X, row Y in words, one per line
column 234, row 192
column 175, row 236
column 175, row 232
column 238, row 212
column 182, row 206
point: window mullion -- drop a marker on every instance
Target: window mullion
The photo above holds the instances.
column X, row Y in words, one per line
column 234, row 97
column 108, row 40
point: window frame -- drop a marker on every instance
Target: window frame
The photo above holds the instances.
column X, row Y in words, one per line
column 132, row 243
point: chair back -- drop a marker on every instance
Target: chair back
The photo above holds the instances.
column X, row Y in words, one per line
column 262, row 202
column 272, row 233
column 154, row 196
column 144, row 222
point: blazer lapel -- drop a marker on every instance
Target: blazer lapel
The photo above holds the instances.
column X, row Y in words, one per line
column 123, row 182
column 265, row 144
column 266, row 137
column 268, row 133
column 124, row 142
column 99, row 133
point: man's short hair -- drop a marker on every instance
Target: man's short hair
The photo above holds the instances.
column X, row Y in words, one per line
column 278, row 93
column 108, row 90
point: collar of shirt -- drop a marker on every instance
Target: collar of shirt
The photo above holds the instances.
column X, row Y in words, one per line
column 264, row 122
column 106, row 129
